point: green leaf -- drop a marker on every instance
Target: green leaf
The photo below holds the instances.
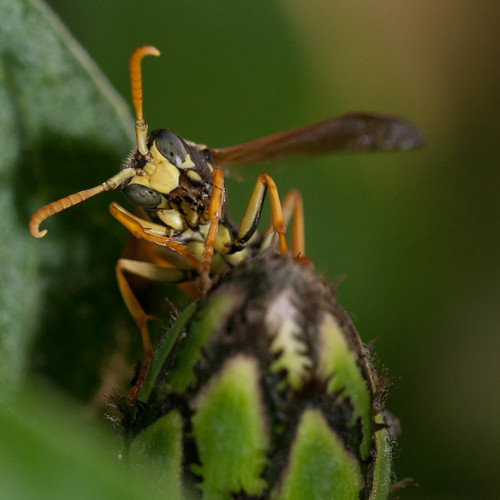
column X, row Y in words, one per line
column 320, row 467
column 156, row 454
column 163, row 350
column 212, row 315
column 337, row 363
column 231, row 431
column 47, row 450
column 383, row 462
column 64, row 129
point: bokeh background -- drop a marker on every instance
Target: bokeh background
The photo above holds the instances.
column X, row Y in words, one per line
column 416, row 234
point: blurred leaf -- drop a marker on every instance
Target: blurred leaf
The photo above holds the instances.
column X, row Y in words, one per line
column 416, row 234
column 49, row 453
column 64, row 129
column 156, row 454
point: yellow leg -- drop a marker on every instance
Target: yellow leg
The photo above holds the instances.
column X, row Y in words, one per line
column 153, row 233
column 292, row 210
column 252, row 213
column 152, row 272
column 214, row 214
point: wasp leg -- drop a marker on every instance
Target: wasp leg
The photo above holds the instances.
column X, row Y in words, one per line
column 154, row 233
column 187, row 287
column 292, row 210
column 252, row 213
column 152, row 272
column 214, row 215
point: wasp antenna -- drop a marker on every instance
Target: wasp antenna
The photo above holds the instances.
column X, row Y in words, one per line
column 73, row 199
column 58, row 206
column 141, row 127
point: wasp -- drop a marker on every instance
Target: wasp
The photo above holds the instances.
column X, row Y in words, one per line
column 177, row 187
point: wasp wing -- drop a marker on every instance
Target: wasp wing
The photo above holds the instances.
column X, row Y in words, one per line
column 351, row 132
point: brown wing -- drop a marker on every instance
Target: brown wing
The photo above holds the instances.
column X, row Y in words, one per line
column 352, row 132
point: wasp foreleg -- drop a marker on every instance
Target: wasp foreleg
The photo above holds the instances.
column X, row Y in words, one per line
column 214, row 214
column 151, row 272
column 153, row 233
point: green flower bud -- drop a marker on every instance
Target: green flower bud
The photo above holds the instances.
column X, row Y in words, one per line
column 263, row 389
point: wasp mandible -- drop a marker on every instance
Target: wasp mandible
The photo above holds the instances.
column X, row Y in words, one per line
column 178, row 189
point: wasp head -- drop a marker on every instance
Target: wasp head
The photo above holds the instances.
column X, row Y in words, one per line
column 173, row 175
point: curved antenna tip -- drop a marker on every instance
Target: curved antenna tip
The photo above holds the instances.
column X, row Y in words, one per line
column 145, row 50
column 36, row 219
column 36, row 233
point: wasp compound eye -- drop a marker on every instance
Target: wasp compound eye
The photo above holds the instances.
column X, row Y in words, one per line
column 142, row 196
column 171, row 147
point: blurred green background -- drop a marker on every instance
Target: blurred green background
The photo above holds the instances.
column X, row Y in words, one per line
column 416, row 234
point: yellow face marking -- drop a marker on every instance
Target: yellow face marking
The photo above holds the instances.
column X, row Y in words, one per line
column 188, row 163
column 190, row 215
column 171, row 218
column 194, row 176
column 160, row 174
column 165, row 177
